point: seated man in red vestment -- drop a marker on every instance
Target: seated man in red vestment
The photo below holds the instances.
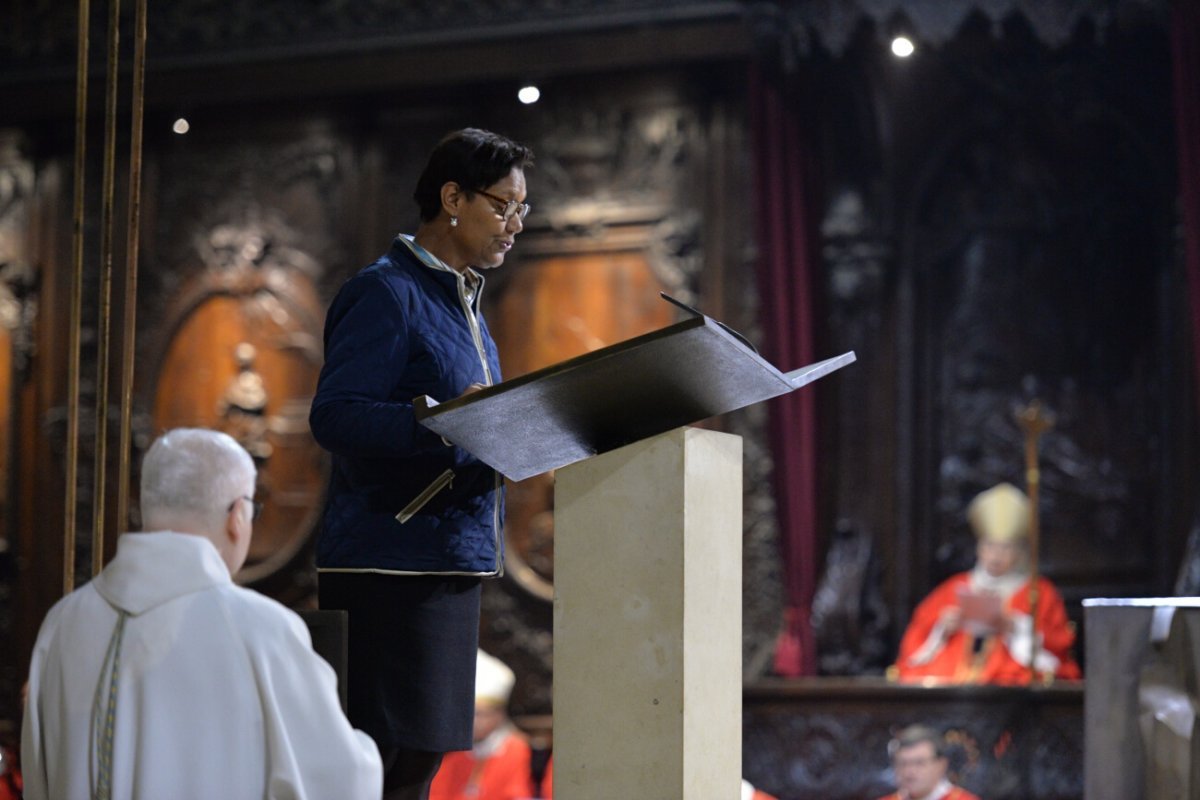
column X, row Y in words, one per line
column 499, row 766
column 920, row 763
column 976, row 627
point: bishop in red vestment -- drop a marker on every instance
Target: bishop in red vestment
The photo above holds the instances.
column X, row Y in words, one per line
column 499, row 766
column 976, row 626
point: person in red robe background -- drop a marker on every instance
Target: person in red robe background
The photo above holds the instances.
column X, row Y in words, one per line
column 11, row 785
column 922, row 768
column 499, row 767
column 976, row 626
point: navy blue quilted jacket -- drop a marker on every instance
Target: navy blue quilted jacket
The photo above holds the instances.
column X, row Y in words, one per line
column 398, row 329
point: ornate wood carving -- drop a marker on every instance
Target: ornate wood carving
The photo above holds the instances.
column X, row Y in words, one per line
column 18, row 311
column 828, row 738
column 985, row 231
column 851, row 620
column 851, row 613
column 224, row 350
column 762, row 573
column 45, row 32
column 240, row 352
column 231, row 320
column 18, row 301
column 796, row 30
column 1022, row 265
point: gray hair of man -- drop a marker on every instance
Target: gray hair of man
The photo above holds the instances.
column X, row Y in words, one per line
column 190, row 479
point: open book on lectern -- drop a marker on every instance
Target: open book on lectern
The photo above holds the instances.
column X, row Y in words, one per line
column 617, row 395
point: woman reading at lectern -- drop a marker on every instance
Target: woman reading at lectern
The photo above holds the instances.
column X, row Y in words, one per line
column 411, row 523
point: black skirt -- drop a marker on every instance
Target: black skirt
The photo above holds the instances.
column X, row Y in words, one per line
column 411, row 670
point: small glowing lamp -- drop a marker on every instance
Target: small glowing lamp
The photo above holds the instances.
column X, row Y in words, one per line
column 902, row 47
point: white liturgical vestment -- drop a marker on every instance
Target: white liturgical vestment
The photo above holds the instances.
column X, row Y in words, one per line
column 217, row 692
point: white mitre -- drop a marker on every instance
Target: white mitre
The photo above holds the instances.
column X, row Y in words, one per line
column 493, row 680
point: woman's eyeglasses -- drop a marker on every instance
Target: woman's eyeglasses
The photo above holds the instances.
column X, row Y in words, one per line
column 511, row 207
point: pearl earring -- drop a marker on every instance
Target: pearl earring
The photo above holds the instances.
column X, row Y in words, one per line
column 454, row 222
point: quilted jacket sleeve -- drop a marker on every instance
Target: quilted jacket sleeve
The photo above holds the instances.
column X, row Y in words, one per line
column 366, row 351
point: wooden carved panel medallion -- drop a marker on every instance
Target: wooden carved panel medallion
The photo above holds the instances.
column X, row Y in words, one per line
column 244, row 359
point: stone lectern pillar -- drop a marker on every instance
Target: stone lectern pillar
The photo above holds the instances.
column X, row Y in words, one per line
column 648, row 620
column 647, row 548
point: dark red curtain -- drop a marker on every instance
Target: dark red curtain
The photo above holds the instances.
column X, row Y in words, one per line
column 1185, row 51
column 785, row 214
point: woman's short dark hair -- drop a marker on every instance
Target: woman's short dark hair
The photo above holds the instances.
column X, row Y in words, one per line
column 474, row 159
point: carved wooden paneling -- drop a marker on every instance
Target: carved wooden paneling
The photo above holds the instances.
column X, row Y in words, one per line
column 1037, row 243
column 18, row 309
column 45, row 32
column 799, row 29
column 560, row 307
column 1000, row 228
column 827, row 739
column 233, row 364
column 18, row 303
column 230, row 314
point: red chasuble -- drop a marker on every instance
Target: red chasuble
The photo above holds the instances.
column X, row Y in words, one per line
column 961, row 658
column 505, row 775
column 954, row 794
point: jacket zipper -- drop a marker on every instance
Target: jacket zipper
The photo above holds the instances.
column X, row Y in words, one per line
column 427, row 494
column 473, row 323
column 477, row 337
column 444, row 479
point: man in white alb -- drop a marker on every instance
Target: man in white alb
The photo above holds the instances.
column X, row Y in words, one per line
column 161, row 678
